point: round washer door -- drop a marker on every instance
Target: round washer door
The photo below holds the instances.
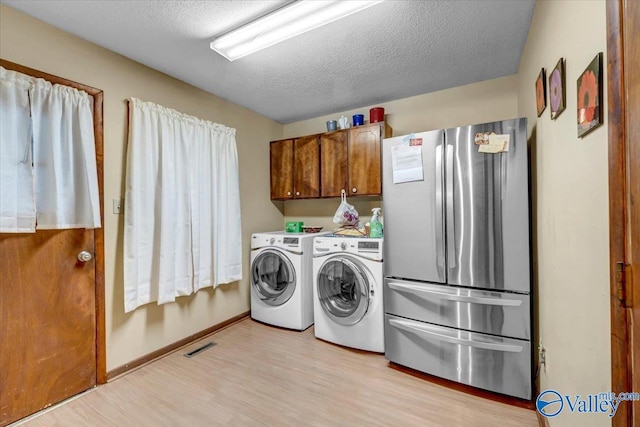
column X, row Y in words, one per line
column 273, row 277
column 343, row 290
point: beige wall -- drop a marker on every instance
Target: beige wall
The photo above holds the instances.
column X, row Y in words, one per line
column 34, row 44
column 570, row 184
column 482, row 102
column 571, row 208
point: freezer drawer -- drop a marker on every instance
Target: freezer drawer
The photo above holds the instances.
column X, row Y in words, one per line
column 491, row 312
column 501, row 365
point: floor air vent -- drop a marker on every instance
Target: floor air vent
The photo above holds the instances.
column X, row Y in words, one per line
column 199, row 350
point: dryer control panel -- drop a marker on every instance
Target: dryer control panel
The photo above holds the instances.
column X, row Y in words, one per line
column 366, row 247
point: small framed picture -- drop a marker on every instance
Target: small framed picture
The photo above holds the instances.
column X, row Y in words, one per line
column 557, row 91
column 541, row 92
column 590, row 97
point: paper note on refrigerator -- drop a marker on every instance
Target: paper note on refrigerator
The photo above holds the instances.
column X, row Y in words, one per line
column 502, row 140
column 491, row 148
column 406, row 163
column 495, row 144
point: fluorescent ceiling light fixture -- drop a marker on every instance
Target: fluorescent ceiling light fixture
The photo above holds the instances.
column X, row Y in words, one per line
column 291, row 20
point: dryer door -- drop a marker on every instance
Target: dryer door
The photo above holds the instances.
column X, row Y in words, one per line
column 273, row 277
column 343, row 290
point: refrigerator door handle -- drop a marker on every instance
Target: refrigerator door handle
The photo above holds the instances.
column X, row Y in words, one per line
column 450, row 207
column 421, row 289
column 439, row 208
column 427, row 332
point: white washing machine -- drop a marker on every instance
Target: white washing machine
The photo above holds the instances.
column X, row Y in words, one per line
column 281, row 279
column 347, row 290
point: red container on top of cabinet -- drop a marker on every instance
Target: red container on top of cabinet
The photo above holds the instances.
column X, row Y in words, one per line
column 376, row 115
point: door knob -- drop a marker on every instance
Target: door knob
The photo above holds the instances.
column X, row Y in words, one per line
column 84, row 256
column 288, row 193
column 354, row 189
column 297, row 193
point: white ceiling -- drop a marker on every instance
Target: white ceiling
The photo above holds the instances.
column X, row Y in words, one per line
column 389, row 51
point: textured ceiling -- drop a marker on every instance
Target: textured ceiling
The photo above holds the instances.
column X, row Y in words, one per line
column 389, row 51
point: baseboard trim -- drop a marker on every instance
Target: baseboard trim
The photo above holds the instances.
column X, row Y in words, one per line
column 161, row 352
column 542, row 420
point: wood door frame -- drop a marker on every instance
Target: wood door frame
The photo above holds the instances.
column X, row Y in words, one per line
column 620, row 209
column 98, row 233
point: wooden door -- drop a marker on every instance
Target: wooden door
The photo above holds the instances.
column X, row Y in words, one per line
column 47, row 320
column 632, row 65
column 623, row 61
column 306, row 167
column 52, row 336
column 281, row 168
column 333, row 163
column 364, row 160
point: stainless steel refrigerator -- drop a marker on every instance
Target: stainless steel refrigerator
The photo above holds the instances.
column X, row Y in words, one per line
column 457, row 289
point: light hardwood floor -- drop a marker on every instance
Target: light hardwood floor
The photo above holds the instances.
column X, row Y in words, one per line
column 259, row 375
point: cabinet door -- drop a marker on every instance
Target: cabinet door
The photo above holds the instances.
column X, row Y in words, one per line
column 281, row 169
column 333, row 163
column 364, row 160
column 306, row 167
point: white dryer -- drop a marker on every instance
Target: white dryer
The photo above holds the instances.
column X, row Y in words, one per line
column 281, row 279
column 347, row 290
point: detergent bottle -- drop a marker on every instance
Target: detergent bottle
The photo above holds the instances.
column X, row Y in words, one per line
column 376, row 225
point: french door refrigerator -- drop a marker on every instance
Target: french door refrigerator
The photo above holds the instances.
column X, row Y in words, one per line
column 457, row 255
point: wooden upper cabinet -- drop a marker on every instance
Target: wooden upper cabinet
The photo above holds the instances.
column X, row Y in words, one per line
column 306, row 167
column 365, row 166
column 333, row 163
column 281, row 169
column 323, row 165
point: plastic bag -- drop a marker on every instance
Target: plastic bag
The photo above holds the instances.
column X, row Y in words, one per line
column 346, row 214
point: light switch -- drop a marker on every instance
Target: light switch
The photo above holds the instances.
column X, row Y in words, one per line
column 118, row 206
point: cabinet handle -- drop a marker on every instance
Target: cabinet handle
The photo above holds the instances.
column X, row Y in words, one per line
column 354, row 190
column 297, row 193
column 288, row 193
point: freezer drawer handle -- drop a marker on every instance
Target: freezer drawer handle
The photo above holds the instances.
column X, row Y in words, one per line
column 421, row 289
column 428, row 334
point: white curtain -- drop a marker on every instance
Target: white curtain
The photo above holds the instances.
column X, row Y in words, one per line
column 217, row 229
column 17, row 203
column 182, row 205
column 51, row 170
column 66, row 180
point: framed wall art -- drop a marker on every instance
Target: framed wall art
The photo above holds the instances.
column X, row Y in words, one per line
column 557, row 90
column 541, row 92
column 590, row 97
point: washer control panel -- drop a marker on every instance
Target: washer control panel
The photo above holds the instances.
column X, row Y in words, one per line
column 262, row 240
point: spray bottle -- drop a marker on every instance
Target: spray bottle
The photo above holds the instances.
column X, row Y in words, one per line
column 376, row 225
